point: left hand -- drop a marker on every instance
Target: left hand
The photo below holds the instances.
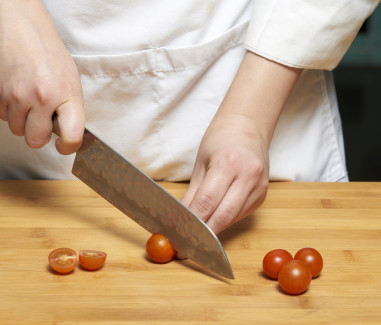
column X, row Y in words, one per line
column 231, row 173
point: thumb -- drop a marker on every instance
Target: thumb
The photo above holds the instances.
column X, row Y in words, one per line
column 71, row 124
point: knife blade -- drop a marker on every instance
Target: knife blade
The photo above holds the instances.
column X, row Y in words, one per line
column 143, row 200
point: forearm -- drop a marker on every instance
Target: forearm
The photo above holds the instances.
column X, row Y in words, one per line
column 259, row 92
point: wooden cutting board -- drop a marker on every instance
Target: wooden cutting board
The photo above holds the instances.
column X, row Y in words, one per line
column 341, row 220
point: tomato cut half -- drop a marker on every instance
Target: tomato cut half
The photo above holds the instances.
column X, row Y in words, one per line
column 91, row 259
column 63, row 260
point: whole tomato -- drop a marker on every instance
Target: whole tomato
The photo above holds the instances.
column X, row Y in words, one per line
column 159, row 249
column 312, row 258
column 274, row 260
column 294, row 277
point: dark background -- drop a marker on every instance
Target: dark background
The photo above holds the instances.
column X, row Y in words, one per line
column 358, row 86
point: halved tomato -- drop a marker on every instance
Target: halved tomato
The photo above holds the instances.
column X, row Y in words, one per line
column 63, row 260
column 92, row 259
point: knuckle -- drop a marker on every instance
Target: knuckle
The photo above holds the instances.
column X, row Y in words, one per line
column 256, row 168
column 226, row 218
column 204, row 204
column 264, row 184
column 259, row 194
column 261, row 198
column 229, row 159
column 41, row 94
column 236, row 160
column 16, row 95
column 25, row 96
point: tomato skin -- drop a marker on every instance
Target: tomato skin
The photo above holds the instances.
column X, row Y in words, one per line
column 294, row 277
column 63, row 260
column 274, row 260
column 312, row 258
column 159, row 249
column 91, row 259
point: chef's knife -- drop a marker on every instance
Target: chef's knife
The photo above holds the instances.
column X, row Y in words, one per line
column 147, row 203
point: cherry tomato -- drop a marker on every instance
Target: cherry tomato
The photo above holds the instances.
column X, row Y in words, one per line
column 294, row 277
column 312, row 258
column 274, row 260
column 91, row 259
column 63, row 260
column 159, row 249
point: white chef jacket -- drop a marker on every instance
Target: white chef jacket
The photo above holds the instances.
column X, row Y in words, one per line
column 154, row 73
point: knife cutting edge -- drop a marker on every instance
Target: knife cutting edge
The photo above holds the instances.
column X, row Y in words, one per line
column 147, row 203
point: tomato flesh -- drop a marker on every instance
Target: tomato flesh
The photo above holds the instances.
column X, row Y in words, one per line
column 312, row 258
column 274, row 260
column 294, row 277
column 92, row 259
column 159, row 249
column 63, row 260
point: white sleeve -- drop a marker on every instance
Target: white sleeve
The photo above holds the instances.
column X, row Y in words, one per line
column 312, row 34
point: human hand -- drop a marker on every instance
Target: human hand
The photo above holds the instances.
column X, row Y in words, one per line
column 231, row 173
column 38, row 78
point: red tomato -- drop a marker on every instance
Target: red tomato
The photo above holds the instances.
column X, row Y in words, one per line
column 312, row 258
column 63, row 260
column 274, row 260
column 159, row 249
column 294, row 277
column 91, row 259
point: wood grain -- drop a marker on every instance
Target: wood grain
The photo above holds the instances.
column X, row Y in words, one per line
column 341, row 220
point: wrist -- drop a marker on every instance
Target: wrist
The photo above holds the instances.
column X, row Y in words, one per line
column 259, row 92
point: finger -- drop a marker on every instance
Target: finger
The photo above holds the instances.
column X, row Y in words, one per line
column 4, row 113
column 195, row 181
column 241, row 200
column 71, row 121
column 254, row 201
column 3, row 107
column 14, row 107
column 229, row 208
column 210, row 192
column 16, row 117
column 38, row 128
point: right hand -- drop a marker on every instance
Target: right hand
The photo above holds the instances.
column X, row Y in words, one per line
column 38, row 77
